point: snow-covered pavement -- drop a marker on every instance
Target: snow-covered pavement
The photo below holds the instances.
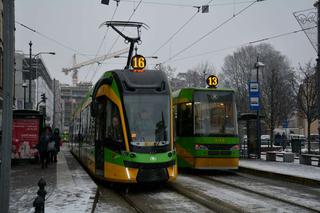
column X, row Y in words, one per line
column 288, row 169
column 69, row 188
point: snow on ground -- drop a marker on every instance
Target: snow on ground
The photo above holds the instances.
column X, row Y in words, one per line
column 69, row 188
column 303, row 195
column 245, row 201
column 293, row 169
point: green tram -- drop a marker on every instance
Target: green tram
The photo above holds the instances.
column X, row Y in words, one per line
column 206, row 128
column 123, row 130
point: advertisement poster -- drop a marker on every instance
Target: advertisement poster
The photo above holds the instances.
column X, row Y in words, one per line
column 25, row 137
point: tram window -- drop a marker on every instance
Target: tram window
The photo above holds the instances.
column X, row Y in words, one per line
column 214, row 113
column 184, row 119
column 113, row 123
column 101, row 117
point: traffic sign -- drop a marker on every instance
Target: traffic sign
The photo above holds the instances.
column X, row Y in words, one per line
column 254, row 95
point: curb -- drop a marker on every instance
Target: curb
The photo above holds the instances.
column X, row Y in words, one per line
column 285, row 177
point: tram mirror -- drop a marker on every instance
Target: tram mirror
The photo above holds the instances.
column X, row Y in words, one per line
column 94, row 108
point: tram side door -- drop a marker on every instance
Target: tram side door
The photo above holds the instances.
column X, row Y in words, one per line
column 100, row 135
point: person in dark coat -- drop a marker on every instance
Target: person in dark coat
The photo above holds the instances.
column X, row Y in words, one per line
column 43, row 146
column 57, row 139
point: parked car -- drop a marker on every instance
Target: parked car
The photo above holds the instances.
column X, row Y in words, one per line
column 265, row 140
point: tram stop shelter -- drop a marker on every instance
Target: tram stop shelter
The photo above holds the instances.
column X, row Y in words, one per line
column 248, row 135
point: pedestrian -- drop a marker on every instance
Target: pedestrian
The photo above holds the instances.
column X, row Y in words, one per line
column 57, row 141
column 278, row 139
column 43, row 146
column 284, row 141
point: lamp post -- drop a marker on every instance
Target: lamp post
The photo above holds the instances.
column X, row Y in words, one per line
column 257, row 65
column 204, row 78
column 36, row 57
column 24, row 85
column 30, row 70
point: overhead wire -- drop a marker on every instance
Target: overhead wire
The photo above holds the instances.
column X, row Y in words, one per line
column 247, row 43
column 103, row 39
column 53, row 40
column 210, row 32
column 180, row 28
column 185, row 5
column 115, row 42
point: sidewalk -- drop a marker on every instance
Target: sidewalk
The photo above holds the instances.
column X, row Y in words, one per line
column 291, row 170
column 69, row 188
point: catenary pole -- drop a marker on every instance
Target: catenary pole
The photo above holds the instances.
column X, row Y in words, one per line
column 317, row 4
column 8, row 70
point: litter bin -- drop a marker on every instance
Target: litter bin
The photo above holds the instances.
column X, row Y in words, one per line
column 296, row 146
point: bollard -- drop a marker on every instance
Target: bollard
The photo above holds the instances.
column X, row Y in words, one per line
column 39, row 202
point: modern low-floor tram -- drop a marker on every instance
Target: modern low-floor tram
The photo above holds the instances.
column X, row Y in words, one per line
column 206, row 128
column 123, row 131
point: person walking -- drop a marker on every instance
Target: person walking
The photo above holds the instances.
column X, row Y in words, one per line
column 57, row 140
column 43, row 146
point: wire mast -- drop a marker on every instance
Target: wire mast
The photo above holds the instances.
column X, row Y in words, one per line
column 131, row 40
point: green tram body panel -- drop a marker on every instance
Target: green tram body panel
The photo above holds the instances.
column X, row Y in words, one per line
column 216, row 151
column 124, row 161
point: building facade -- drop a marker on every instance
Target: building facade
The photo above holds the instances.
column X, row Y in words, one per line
column 71, row 97
column 1, row 62
column 57, row 107
column 41, row 83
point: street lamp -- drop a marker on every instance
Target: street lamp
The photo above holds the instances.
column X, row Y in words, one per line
column 30, row 70
column 35, row 57
column 24, row 85
column 258, row 65
column 204, row 78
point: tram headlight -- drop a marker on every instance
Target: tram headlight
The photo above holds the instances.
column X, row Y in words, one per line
column 132, row 155
column 200, row 147
column 235, row 147
column 170, row 154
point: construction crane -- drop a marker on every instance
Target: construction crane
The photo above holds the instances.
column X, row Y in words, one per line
column 97, row 60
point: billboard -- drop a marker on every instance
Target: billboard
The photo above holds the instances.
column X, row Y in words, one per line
column 25, row 137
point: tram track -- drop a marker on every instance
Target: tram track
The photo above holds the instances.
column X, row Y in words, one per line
column 143, row 199
column 261, row 193
column 234, row 199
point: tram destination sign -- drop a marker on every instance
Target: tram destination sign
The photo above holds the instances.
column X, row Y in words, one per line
column 138, row 63
column 212, row 81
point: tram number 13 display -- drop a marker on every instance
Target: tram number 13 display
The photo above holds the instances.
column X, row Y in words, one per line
column 138, row 62
column 212, row 81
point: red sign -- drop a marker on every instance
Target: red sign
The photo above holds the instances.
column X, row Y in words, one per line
column 25, row 137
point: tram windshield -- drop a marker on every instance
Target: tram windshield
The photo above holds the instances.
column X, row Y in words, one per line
column 214, row 113
column 148, row 117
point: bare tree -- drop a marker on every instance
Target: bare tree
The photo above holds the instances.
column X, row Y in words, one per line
column 307, row 96
column 277, row 97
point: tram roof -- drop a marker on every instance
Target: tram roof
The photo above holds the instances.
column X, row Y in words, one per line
column 188, row 91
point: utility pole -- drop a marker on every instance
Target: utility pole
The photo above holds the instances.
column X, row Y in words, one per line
column 204, row 78
column 8, row 70
column 30, row 74
column 258, row 116
column 317, row 4
column 258, row 150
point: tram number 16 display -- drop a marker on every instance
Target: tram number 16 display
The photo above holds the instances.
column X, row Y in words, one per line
column 212, row 81
column 138, row 62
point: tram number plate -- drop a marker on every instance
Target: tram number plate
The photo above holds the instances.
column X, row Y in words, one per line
column 219, row 152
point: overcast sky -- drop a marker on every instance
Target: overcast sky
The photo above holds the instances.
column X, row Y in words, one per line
column 75, row 23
